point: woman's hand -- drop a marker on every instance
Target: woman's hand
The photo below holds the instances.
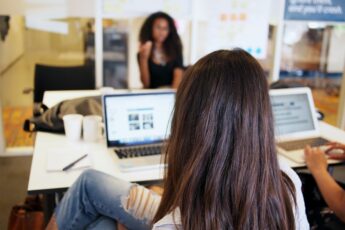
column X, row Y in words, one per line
column 315, row 159
column 336, row 147
column 145, row 50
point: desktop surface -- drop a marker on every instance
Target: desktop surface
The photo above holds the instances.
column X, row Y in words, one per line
column 105, row 160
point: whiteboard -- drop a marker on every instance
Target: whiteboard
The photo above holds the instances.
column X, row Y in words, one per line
column 124, row 9
column 225, row 24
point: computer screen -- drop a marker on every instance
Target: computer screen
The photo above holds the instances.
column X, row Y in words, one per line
column 291, row 113
column 138, row 118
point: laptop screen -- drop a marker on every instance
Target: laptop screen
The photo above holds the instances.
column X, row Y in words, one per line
column 138, row 118
column 292, row 113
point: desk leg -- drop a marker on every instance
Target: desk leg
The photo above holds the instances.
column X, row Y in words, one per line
column 48, row 206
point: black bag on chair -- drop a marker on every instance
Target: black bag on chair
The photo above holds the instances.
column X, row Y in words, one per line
column 51, row 119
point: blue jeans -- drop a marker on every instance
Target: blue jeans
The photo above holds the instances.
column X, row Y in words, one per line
column 94, row 201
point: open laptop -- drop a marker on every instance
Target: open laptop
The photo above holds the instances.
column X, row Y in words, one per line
column 295, row 122
column 136, row 126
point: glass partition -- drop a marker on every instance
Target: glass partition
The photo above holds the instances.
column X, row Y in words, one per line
column 313, row 54
column 22, row 48
column 115, row 53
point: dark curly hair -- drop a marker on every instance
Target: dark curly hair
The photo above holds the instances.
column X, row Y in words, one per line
column 172, row 44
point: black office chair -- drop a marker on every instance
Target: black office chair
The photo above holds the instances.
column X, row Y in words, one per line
column 60, row 78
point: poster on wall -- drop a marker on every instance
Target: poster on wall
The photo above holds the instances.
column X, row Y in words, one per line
column 315, row 10
column 120, row 9
column 225, row 24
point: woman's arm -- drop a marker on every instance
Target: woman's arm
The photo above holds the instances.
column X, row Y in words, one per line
column 144, row 71
column 177, row 77
column 333, row 194
column 144, row 55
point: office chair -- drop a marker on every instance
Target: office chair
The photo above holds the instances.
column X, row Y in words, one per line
column 61, row 78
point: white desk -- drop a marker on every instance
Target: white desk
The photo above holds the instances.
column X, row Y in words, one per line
column 40, row 180
column 103, row 160
column 51, row 98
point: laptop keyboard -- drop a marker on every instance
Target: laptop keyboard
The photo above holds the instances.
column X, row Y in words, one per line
column 300, row 144
column 130, row 152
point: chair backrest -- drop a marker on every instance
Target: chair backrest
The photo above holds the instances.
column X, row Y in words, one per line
column 62, row 78
column 283, row 84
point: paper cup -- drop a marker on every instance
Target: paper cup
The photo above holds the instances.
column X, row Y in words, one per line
column 92, row 128
column 72, row 124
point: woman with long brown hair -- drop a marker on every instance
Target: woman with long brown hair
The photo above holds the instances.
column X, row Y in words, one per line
column 222, row 172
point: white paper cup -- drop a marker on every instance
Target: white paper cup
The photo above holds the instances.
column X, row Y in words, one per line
column 72, row 124
column 92, row 128
column 106, row 90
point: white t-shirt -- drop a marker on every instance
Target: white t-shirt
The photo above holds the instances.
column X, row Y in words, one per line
column 173, row 220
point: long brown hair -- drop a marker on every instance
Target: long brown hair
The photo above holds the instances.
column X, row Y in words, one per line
column 223, row 171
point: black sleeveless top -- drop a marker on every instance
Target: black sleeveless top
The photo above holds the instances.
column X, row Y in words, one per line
column 162, row 75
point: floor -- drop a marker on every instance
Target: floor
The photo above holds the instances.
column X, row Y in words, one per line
column 14, row 118
column 14, row 177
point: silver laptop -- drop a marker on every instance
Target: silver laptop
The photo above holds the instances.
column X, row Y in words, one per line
column 136, row 126
column 295, row 122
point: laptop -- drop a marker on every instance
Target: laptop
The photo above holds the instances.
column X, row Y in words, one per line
column 295, row 122
column 136, row 127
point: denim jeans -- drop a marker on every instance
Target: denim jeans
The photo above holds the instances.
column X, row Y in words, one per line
column 95, row 201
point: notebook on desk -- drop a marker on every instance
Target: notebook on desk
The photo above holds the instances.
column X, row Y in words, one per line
column 136, row 127
column 295, row 122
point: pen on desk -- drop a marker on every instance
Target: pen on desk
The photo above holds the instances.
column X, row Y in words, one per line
column 73, row 163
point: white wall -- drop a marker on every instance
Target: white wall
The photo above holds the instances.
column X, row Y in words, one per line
column 11, row 7
column 13, row 46
column 341, row 107
column 2, row 138
column 336, row 57
column 133, row 45
column 73, row 8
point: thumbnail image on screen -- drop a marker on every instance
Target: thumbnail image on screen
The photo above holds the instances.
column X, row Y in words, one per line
column 141, row 119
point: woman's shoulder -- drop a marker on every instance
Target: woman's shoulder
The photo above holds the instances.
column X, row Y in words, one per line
column 301, row 220
column 284, row 167
column 169, row 221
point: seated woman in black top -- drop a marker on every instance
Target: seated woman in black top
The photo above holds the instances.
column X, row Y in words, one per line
column 160, row 53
